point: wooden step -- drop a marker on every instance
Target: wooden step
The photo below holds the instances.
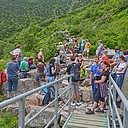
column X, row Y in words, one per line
column 78, row 120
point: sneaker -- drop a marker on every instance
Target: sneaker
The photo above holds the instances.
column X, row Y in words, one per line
column 78, row 103
column 99, row 110
column 89, row 111
column 73, row 104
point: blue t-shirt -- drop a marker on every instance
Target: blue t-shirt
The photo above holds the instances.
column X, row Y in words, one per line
column 83, row 43
column 45, row 89
column 94, row 69
column 117, row 55
column 12, row 69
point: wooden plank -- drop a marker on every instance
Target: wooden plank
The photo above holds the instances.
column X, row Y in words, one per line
column 92, row 119
column 84, row 122
column 93, row 115
column 72, row 125
column 79, row 120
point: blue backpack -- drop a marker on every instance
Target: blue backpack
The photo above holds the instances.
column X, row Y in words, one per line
column 47, row 71
column 49, row 96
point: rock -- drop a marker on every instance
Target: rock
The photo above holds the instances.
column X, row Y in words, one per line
column 85, row 82
column 69, row 55
column 65, row 83
column 32, row 73
column 13, row 108
column 65, row 96
column 31, row 100
column 24, row 85
column 67, row 58
column 86, row 93
column 42, row 119
column 63, row 66
column 63, row 71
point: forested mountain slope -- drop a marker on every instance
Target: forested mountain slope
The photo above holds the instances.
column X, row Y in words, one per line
column 99, row 19
column 18, row 14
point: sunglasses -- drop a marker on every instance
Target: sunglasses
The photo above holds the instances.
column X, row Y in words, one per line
column 105, row 62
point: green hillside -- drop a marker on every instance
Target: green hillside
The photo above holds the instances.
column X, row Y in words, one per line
column 100, row 19
column 18, row 14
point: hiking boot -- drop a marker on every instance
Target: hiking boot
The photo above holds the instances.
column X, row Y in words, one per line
column 73, row 104
column 89, row 111
column 99, row 110
column 78, row 103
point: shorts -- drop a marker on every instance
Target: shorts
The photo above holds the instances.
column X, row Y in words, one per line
column 98, row 97
column 87, row 49
column 40, row 96
column 75, row 87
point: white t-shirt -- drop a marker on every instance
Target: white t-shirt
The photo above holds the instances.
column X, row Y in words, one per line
column 122, row 65
column 16, row 51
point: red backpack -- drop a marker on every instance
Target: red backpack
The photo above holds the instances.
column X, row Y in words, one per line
column 2, row 77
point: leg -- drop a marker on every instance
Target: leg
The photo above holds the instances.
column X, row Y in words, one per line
column 73, row 97
column 87, row 54
column 9, row 88
column 14, row 85
column 102, row 103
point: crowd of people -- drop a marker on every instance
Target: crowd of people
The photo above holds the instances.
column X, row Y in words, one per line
column 100, row 69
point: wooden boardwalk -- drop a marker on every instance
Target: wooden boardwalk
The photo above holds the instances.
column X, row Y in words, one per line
column 79, row 120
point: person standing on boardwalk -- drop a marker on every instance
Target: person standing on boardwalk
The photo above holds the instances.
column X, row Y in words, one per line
column 74, row 68
column 12, row 75
column 102, row 89
column 93, row 74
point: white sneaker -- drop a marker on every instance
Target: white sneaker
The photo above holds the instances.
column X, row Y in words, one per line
column 78, row 103
column 73, row 104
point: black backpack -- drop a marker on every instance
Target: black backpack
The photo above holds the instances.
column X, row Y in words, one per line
column 75, row 70
column 49, row 96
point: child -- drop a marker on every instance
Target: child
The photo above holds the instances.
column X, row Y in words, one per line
column 40, row 95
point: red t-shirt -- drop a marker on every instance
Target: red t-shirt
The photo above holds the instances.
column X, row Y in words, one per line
column 106, row 59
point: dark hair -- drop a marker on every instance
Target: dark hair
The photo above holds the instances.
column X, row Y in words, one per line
column 39, row 60
column 122, row 57
column 105, row 46
column 126, row 52
column 72, row 58
column 106, row 63
column 13, row 58
column 52, row 60
column 56, row 54
column 117, row 48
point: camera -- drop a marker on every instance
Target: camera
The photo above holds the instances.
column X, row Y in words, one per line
column 97, row 78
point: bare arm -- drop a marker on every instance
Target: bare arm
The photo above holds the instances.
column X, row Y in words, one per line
column 103, row 78
column 53, row 70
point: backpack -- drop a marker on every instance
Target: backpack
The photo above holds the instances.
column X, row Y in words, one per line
column 49, row 96
column 2, row 77
column 47, row 71
column 75, row 70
